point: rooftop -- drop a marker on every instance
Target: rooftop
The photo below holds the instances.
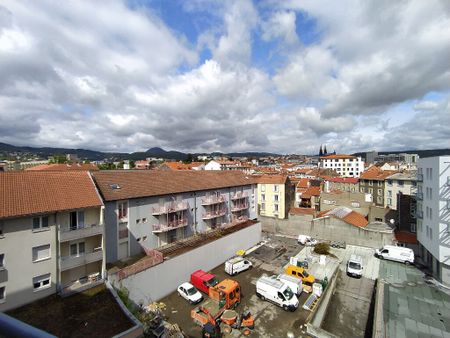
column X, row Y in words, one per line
column 64, row 167
column 37, row 192
column 272, row 179
column 124, row 184
column 347, row 215
column 375, row 173
column 337, row 156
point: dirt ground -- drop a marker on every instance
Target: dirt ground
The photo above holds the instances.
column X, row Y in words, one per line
column 92, row 313
column 270, row 320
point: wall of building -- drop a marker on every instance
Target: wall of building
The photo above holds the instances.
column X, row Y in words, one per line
column 160, row 280
column 327, row 228
column 269, row 200
column 355, row 201
column 375, row 188
column 19, row 268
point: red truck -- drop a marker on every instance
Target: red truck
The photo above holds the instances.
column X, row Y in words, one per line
column 203, row 280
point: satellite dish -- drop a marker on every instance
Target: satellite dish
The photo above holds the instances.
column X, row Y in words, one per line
column 392, row 221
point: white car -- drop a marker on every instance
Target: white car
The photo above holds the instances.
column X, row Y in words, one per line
column 306, row 240
column 190, row 293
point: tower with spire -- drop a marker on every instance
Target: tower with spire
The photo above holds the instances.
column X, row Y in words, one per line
column 320, row 151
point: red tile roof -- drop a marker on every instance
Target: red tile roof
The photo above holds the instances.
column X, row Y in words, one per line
column 347, row 215
column 303, row 183
column 375, row 173
column 356, row 219
column 64, row 167
column 38, row 192
column 406, row 237
column 135, row 184
column 311, row 191
column 302, row 211
column 272, row 179
column 337, row 156
column 351, row 180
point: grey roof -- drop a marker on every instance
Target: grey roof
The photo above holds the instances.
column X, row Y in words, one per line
column 411, row 307
column 407, row 176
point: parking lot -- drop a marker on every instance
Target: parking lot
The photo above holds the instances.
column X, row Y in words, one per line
column 347, row 313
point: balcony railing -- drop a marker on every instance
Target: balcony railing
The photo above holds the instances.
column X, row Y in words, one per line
column 169, row 208
column 239, row 207
column 123, row 233
column 239, row 195
column 83, row 284
column 158, row 228
column 419, row 177
column 213, row 200
column 419, row 214
column 73, row 233
column 419, row 196
column 70, row 262
column 214, row 214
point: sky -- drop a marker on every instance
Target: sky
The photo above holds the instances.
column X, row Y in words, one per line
column 229, row 76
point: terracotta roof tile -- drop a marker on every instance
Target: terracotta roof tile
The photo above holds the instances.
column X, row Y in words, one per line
column 134, row 184
column 302, row 211
column 272, row 179
column 337, row 156
column 347, row 215
column 35, row 192
column 303, row 183
column 311, row 191
column 64, row 167
column 352, row 180
column 356, row 219
column 375, row 173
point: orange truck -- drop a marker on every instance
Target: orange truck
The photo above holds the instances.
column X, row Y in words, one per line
column 225, row 295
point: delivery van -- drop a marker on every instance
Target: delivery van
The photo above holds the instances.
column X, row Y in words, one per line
column 237, row 264
column 203, row 280
column 295, row 284
column 355, row 266
column 396, row 253
column 301, row 273
column 277, row 292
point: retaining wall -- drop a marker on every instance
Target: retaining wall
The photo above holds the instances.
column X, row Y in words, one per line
column 162, row 279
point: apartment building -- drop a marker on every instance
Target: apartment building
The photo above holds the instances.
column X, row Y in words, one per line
column 274, row 195
column 372, row 181
column 344, row 165
column 433, row 215
column 51, row 235
column 145, row 210
column 349, row 184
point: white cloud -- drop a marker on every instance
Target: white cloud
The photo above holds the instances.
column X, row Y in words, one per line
column 281, row 25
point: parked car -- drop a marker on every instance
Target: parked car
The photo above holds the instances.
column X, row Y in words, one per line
column 237, row 264
column 190, row 293
column 355, row 266
column 396, row 253
column 306, row 240
column 277, row 292
column 301, row 273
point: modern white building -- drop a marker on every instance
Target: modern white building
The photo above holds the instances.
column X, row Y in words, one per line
column 344, row 165
column 433, row 215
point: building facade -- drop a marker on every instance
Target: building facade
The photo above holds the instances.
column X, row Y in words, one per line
column 274, row 196
column 344, row 165
column 145, row 210
column 51, row 235
column 372, row 182
column 433, row 213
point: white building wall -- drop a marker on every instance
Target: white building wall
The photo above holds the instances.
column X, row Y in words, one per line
column 213, row 165
column 344, row 166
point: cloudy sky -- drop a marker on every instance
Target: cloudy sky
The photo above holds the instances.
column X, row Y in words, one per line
column 203, row 75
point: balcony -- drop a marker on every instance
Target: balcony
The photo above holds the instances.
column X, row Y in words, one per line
column 214, row 214
column 170, row 208
column 419, row 177
column 239, row 207
column 419, row 196
column 123, row 233
column 160, row 228
column 213, row 200
column 70, row 262
column 239, row 195
column 419, row 214
column 73, row 233
column 83, row 284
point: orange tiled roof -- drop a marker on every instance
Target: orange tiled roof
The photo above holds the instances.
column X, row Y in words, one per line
column 375, row 173
column 38, row 192
column 311, row 191
column 406, row 237
column 272, row 179
column 347, row 215
column 143, row 183
column 356, row 219
column 302, row 211
column 64, row 167
column 337, row 156
column 303, row 183
column 352, row 180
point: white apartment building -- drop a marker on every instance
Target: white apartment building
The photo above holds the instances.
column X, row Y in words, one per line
column 344, row 165
column 433, row 213
column 51, row 235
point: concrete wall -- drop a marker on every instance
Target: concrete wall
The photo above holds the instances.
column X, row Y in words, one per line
column 328, row 228
column 160, row 280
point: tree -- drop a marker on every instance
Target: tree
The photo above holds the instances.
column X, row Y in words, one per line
column 189, row 158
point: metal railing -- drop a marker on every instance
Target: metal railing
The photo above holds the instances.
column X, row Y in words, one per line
column 239, row 207
column 170, row 226
column 239, row 195
column 213, row 200
column 170, row 207
column 68, row 233
column 123, row 233
column 70, row 262
column 214, row 214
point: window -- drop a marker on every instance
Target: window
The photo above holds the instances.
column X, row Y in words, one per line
column 1, row 230
column 379, row 191
column 380, row 199
column 263, row 206
column 413, row 227
column 370, row 183
column 377, row 219
column 41, row 282
column 275, row 198
column 431, row 175
column 431, row 213
column 263, row 187
column 275, row 207
column 370, row 191
column 2, row 294
column 144, row 220
column 389, row 201
column 389, row 182
column 41, row 253
column 2, row 261
column 77, row 249
column 361, row 189
column 122, row 210
column 431, row 233
column 40, row 223
column 76, row 220
column 380, row 183
column 389, row 193
column 400, row 183
column 263, row 197
column 275, row 188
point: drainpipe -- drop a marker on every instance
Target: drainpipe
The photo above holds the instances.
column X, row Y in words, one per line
column 58, row 254
column 195, row 213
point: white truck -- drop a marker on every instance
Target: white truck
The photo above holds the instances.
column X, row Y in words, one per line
column 295, row 284
column 277, row 292
column 355, row 266
column 237, row 264
column 396, row 253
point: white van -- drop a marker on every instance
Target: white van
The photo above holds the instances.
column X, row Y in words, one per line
column 355, row 266
column 396, row 253
column 237, row 264
column 277, row 292
column 306, row 240
column 295, row 284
